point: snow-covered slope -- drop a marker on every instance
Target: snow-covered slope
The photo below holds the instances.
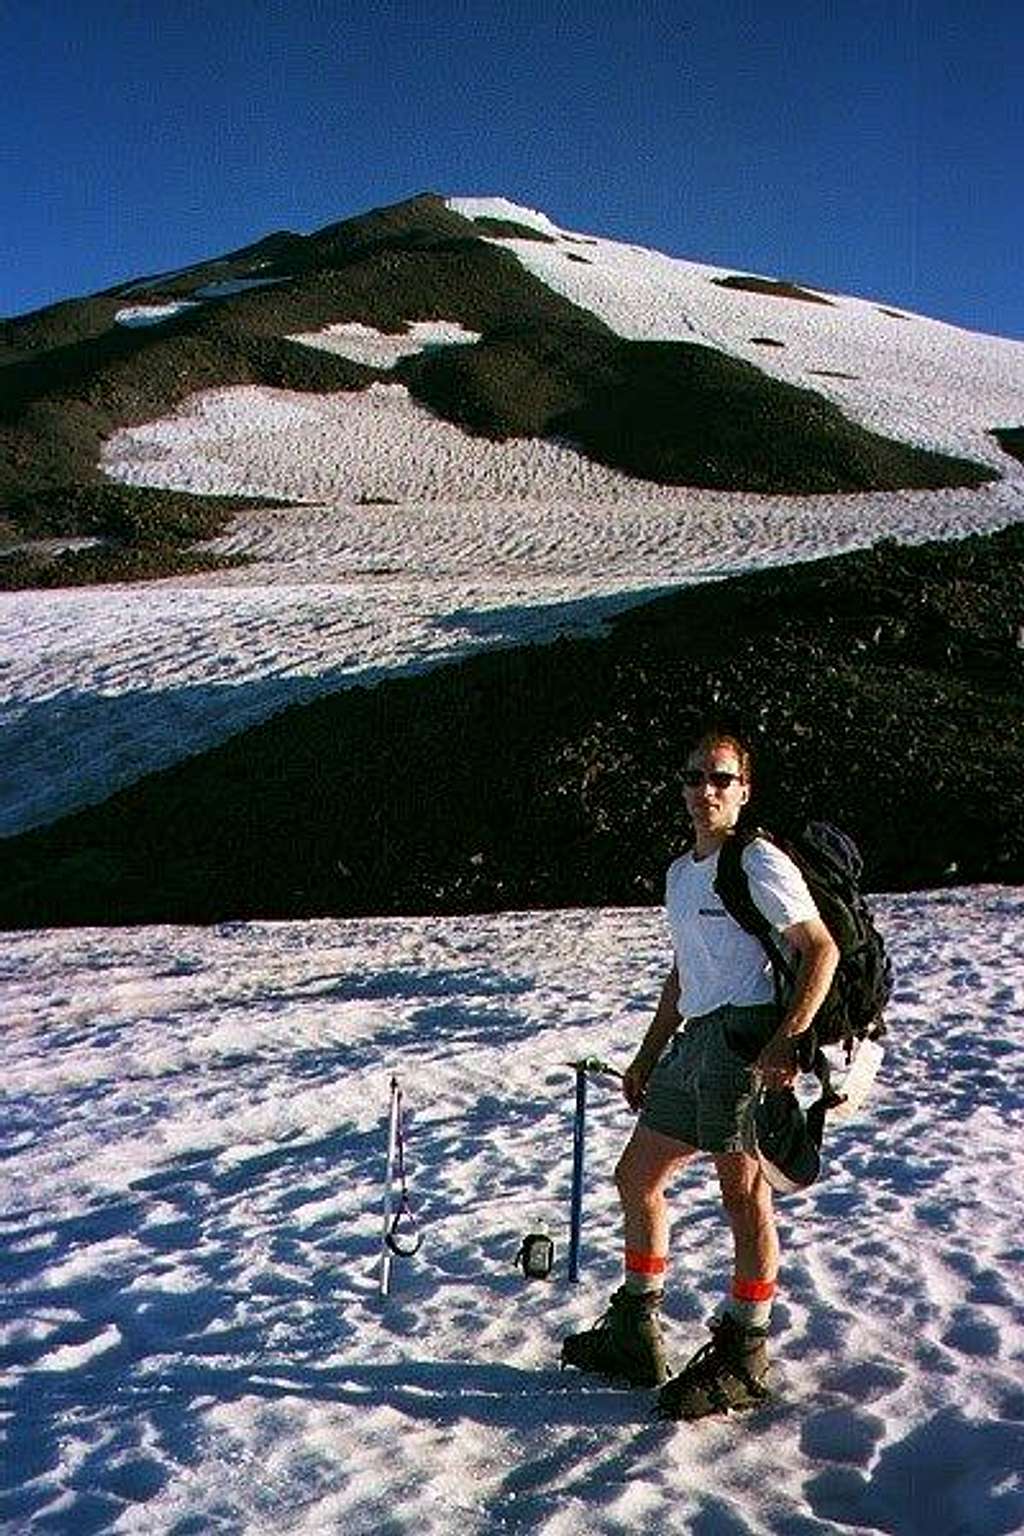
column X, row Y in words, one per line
column 928, row 383
column 916, row 380
column 374, row 444
column 192, row 1338
column 105, row 684
column 193, row 1135
column 418, row 542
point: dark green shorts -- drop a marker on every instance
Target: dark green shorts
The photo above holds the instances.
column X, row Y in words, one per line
column 698, row 1091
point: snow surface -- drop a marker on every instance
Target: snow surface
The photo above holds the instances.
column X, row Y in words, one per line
column 919, row 380
column 252, row 440
column 102, row 685
column 194, row 1142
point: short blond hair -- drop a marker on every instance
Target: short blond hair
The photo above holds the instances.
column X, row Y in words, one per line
column 716, row 736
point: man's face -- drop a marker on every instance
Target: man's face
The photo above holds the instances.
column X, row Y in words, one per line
column 715, row 791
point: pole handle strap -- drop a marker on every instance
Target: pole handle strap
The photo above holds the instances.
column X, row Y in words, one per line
column 401, row 1243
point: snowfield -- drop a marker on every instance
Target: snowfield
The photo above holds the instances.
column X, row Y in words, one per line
column 920, row 380
column 375, row 349
column 194, row 1141
column 151, row 314
column 373, row 443
column 100, row 686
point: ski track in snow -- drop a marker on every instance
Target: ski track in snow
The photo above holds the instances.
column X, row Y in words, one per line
column 191, row 1337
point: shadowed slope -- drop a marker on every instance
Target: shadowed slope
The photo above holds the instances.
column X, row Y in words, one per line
column 876, row 685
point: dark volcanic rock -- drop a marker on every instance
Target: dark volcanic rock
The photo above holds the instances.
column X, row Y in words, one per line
column 508, row 229
column 671, row 412
column 1011, row 440
column 143, row 535
column 115, row 561
column 884, row 690
column 771, row 287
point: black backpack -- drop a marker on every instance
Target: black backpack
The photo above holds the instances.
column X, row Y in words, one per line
column 830, row 862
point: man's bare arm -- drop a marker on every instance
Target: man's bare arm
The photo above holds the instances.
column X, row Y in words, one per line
column 817, row 958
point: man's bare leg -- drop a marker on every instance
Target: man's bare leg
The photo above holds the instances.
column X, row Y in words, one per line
column 730, row 1372
column 647, row 1163
column 747, row 1198
column 627, row 1341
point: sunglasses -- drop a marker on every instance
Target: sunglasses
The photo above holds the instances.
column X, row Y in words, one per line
column 718, row 778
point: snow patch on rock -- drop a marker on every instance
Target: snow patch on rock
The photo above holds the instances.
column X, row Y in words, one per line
column 376, row 349
column 151, row 314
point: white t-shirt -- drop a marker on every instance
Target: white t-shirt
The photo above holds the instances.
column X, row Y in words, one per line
column 718, row 961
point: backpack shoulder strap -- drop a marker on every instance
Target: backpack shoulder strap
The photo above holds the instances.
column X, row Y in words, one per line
column 733, row 887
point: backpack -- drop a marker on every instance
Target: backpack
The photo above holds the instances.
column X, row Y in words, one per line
column 831, row 864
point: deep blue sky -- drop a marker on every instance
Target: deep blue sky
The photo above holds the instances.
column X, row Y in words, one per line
column 872, row 146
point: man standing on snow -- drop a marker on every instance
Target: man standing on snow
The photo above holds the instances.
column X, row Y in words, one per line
column 718, row 1010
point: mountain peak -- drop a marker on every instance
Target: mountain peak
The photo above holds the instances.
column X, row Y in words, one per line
column 501, row 345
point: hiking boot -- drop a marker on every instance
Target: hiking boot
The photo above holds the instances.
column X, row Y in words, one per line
column 727, row 1373
column 626, row 1341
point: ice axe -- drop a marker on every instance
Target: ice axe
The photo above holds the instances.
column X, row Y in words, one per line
column 583, row 1068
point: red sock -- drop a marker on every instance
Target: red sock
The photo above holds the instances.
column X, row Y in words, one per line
column 751, row 1302
column 645, row 1272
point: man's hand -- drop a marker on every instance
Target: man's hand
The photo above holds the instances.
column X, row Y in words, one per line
column 817, row 957
column 777, row 1064
column 634, row 1082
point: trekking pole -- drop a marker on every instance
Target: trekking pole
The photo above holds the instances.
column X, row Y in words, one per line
column 582, row 1068
column 398, row 1215
column 576, row 1198
column 385, row 1246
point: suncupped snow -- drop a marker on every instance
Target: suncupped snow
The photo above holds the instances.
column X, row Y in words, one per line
column 378, row 443
column 195, row 1140
column 376, row 349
